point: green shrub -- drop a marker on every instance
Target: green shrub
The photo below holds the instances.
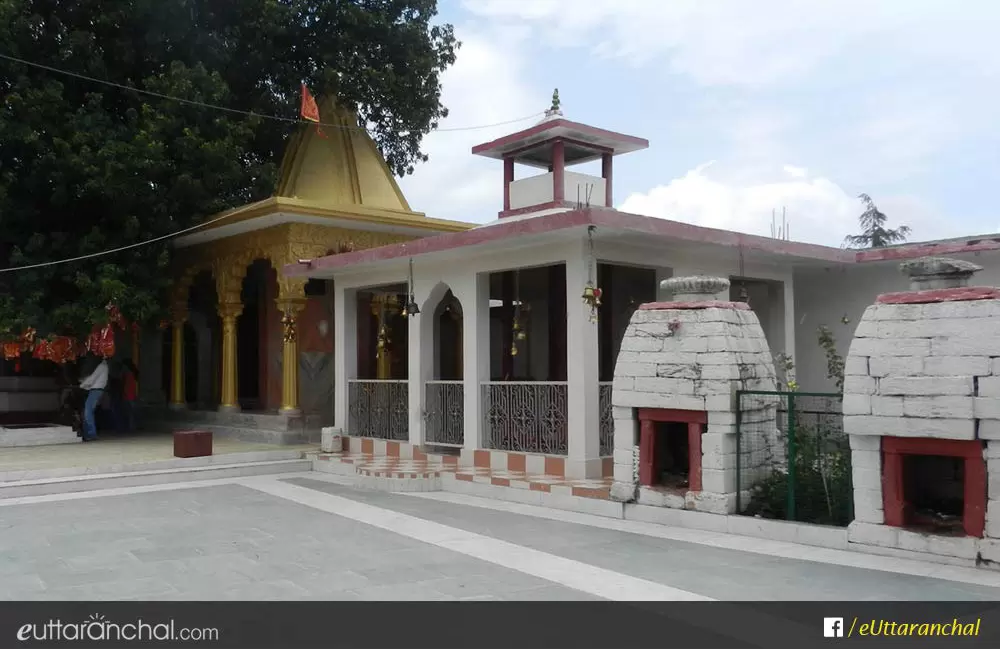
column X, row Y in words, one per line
column 823, row 491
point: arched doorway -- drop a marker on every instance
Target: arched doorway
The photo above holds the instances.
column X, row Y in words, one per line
column 444, row 393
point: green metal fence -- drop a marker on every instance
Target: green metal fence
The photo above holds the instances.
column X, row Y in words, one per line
column 793, row 458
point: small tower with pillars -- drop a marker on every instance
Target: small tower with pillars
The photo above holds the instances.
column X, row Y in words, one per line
column 552, row 145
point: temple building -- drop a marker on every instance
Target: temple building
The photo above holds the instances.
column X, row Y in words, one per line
column 248, row 349
column 513, row 328
column 334, row 303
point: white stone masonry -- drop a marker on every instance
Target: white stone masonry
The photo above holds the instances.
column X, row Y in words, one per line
column 690, row 356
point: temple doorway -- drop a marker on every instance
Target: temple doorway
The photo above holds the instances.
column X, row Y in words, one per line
column 256, row 326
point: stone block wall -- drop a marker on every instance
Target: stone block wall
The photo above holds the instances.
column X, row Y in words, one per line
column 924, row 364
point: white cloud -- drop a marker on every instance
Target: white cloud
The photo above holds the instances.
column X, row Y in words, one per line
column 732, row 42
column 485, row 86
column 818, row 210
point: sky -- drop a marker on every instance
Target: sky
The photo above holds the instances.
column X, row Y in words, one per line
column 750, row 107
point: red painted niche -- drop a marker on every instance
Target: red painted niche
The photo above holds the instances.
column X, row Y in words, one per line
column 934, row 486
column 670, row 448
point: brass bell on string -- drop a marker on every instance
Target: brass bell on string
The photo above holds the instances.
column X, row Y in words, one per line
column 588, row 293
column 513, row 350
column 519, row 334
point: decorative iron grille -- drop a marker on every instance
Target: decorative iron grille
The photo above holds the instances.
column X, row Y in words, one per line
column 607, row 420
column 378, row 408
column 444, row 413
column 526, row 416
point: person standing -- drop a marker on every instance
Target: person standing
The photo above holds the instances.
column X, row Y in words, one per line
column 95, row 383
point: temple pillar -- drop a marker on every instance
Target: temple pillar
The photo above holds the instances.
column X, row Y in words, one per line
column 583, row 418
column 291, row 301
column 228, row 287
column 345, row 351
column 474, row 294
column 290, row 356
column 178, row 316
column 229, row 400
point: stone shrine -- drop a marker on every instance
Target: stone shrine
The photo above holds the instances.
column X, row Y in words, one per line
column 674, row 392
column 922, row 408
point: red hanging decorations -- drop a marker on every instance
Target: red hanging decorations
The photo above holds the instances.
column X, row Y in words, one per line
column 43, row 350
column 11, row 350
column 63, row 349
column 102, row 342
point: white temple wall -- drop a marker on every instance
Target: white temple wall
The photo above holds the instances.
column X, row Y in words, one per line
column 825, row 296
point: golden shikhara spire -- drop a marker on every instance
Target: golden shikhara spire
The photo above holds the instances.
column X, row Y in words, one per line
column 338, row 168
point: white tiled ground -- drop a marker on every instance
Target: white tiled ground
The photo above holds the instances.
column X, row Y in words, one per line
column 308, row 536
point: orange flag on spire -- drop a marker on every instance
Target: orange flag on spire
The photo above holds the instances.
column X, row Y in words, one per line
column 309, row 110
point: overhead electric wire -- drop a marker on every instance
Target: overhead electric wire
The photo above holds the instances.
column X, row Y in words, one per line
column 216, row 107
column 120, row 248
column 238, row 111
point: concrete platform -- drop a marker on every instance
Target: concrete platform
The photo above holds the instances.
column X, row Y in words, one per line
column 33, row 435
column 254, row 427
column 130, row 453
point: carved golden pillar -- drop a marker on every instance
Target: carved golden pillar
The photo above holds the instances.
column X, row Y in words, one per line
column 228, row 284
column 383, row 307
column 291, row 301
column 228, row 312
column 178, row 317
column 290, row 355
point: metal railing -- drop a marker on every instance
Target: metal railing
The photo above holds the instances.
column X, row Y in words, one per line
column 793, row 457
column 378, row 408
column 526, row 416
column 606, row 419
column 444, row 413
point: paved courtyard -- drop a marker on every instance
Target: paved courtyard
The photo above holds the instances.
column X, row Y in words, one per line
column 306, row 536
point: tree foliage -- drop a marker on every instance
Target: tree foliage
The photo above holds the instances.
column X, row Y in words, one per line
column 85, row 167
column 874, row 234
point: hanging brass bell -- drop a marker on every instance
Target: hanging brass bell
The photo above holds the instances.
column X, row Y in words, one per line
column 520, row 336
column 588, row 293
column 513, row 350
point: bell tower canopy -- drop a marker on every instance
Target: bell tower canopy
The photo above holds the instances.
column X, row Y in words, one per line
column 552, row 145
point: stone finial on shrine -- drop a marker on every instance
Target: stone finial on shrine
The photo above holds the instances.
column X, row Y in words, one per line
column 695, row 288
column 938, row 273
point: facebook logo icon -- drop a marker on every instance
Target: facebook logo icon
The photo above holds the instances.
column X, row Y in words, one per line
column 833, row 627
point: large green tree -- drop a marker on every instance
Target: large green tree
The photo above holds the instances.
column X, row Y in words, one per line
column 85, row 167
column 874, row 233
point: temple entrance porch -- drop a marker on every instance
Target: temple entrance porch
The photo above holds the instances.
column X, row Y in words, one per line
column 505, row 367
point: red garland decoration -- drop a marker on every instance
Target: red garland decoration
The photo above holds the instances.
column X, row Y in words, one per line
column 62, row 349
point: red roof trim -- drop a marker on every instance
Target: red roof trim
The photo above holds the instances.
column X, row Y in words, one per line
column 606, row 217
column 542, row 127
column 911, row 251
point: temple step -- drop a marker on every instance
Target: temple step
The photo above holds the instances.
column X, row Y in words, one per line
column 151, row 476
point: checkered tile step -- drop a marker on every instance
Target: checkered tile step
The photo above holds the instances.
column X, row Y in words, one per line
column 395, row 467
column 589, row 488
column 389, row 466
